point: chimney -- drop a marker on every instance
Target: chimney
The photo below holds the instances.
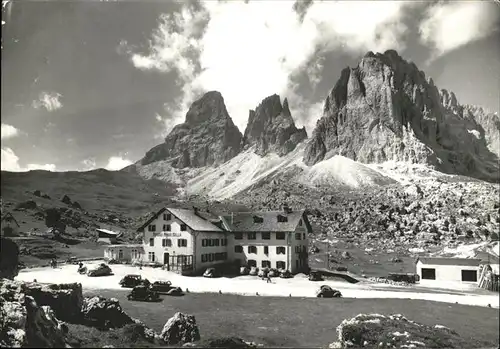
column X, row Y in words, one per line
column 195, row 209
column 286, row 208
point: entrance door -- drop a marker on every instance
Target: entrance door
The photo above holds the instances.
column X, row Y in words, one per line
column 166, row 260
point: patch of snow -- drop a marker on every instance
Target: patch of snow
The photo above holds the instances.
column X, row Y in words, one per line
column 399, row 334
column 249, row 285
column 369, row 249
column 440, row 326
column 475, row 133
column 416, row 250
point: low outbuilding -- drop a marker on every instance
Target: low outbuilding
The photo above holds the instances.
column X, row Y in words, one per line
column 433, row 270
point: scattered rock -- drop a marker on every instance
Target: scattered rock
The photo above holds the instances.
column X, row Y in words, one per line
column 27, row 205
column 104, row 313
column 379, row 331
column 65, row 199
column 180, row 328
column 37, row 193
column 24, row 323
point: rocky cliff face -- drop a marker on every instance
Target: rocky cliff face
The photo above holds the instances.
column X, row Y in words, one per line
column 386, row 109
column 271, row 128
column 207, row 137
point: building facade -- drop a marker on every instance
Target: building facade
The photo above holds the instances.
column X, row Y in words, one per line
column 107, row 236
column 448, row 270
column 190, row 241
column 10, row 227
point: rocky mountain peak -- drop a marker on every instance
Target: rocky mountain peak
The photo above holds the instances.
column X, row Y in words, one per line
column 386, row 109
column 207, row 137
column 271, row 128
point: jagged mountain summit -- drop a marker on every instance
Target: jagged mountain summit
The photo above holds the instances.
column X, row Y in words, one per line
column 386, row 110
column 207, row 137
column 271, row 128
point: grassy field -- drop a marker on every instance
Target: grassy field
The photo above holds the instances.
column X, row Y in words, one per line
column 299, row 322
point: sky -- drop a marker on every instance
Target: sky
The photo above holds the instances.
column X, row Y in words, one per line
column 95, row 84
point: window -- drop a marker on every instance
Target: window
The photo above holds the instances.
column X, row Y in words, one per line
column 252, row 263
column 203, row 258
column 169, row 217
column 166, row 227
column 203, row 242
column 183, row 227
column 151, row 256
column 252, row 249
column 238, row 236
column 282, row 219
column 152, row 227
column 303, row 236
column 469, row 275
column 428, row 274
column 216, row 242
column 280, row 250
column 280, row 265
column 151, row 242
column 298, row 236
column 223, row 242
column 280, row 235
column 266, row 264
column 238, row 249
column 297, row 249
column 210, row 257
column 166, row 243
column 181, row 243
column 257, row 219
column 164, row 216
column 266, row 249
column 120, row 255
column 252, row 236
column 210, row 242
column 266, row 236
column 300, row 223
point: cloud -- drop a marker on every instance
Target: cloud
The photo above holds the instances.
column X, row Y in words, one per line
column 250, row 51
column 48, row 100
column 116, row 163
column 10, row 162
column 9, row 131
column 88, row 164
column 448, row 26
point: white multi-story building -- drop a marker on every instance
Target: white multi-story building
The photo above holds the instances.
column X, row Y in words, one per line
column 189, row 241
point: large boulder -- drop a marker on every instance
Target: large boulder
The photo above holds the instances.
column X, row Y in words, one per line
column 66, row 300
column 394, row 331
column 24, row 323
column 9, row 259
column 104, row 313
column 180, row 328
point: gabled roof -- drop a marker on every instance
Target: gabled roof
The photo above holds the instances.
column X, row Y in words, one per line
column 194, row 220
column 470, row 262
column 244, row 221
column 106, row 231
column 199, row 221
column 9, row 215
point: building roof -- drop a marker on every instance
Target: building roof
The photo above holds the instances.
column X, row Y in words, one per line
column 195, row 220
column 471, row 262
column 125, row 245
column 106, row 231
column 264, row 221
column 9, row 215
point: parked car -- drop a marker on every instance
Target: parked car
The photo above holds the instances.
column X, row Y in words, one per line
column 253, row 271
column 285, row 274
column 315, row 276
column 143, row 293
column 273, row 273
column 130, row 281
column 101, row 270
column 326, row 291
column 72, row 260
column 175, row 291
column 212, row 273
column 113, row 261
column 161, row 286
column 244, row 271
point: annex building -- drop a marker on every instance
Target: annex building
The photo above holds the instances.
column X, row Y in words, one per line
column 189, row 241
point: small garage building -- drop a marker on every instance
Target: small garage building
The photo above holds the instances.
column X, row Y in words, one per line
column 448, row 270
